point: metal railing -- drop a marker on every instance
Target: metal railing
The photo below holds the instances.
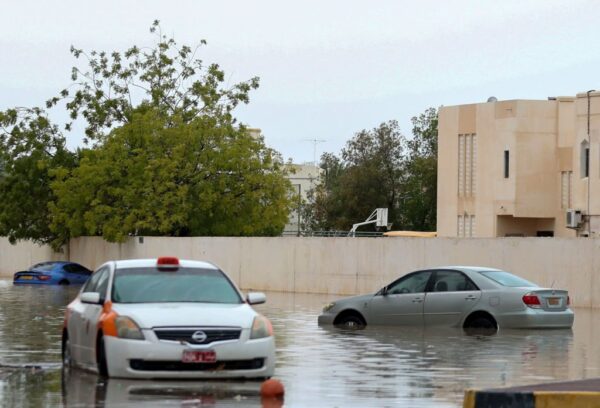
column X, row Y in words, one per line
column 370, row 234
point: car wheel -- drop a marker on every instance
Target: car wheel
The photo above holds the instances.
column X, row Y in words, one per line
column 67, row 360
column 351, row 321
column 482, row 323
column 101, row 357
column 63, row 282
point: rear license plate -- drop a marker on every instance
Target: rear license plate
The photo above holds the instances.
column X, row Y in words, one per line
column 196, row 356
column 25, row 277
column 553, row 302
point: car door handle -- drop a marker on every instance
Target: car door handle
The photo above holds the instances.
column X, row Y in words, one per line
column 417, row 300
column 471, row 298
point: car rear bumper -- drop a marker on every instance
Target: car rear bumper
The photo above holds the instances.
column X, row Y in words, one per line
column 153, row 358
column 537, row 319
column 34, row 282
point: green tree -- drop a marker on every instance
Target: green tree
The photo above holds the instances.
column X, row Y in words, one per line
column 419, row 201
column 321, row 207
column 110, row 86
column 183, row 179
column 367, row 176
column 166, row 156
column 30, row 148
column 379, row 168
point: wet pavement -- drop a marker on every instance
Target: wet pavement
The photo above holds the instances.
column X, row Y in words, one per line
column 320, row 367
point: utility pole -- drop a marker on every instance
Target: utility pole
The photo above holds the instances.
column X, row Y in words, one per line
column 315, row 143
column 587, row 158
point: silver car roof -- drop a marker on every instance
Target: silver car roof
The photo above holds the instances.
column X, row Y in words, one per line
column 469, row 268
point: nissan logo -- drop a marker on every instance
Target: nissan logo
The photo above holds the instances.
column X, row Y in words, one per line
column 199, row 336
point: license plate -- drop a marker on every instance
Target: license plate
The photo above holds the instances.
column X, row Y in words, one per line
column 553, row 302
column 196, row 356
column 25, row 277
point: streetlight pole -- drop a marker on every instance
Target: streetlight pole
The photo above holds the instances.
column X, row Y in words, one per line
column 587, row 158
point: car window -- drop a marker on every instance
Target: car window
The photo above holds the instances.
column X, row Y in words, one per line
column 43, row 266
column 452, row 281
column 414, row 283
column 102, row 285
column 507, row 279
column 92, row 283
column 148, row 285
column 68, row 268
column 76, row 268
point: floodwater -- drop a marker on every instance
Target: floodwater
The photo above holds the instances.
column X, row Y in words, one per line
column 320, row 367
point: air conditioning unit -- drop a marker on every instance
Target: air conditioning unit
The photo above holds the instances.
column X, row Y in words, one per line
column 573, row 218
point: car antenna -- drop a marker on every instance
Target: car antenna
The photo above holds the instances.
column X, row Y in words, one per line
column 553, row 282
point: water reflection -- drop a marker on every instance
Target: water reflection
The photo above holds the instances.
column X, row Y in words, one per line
column 320, row 366
column 86, row 389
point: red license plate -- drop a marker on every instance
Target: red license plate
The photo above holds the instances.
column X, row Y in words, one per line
column 197, row 356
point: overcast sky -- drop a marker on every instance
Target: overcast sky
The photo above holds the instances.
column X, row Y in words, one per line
column 328, row 68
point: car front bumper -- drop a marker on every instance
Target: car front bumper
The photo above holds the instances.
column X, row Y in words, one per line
column 153, row 358
column 326, row 318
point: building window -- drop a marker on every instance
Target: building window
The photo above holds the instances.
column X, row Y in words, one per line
column 584, row 156
column 565, row 189
column 467, row 160
column 465, row 227
column 506, row 163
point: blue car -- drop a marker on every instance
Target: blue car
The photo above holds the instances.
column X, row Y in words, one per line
column 53, row 273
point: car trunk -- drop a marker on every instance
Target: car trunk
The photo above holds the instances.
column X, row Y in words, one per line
column 552, row 300
column 26, row 276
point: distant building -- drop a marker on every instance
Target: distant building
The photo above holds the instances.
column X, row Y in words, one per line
column 520, row 168
column 255, row 132
column 304, row 178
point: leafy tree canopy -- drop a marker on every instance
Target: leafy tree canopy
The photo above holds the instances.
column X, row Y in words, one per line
column 167, row 77
column 166, row 156
column 182, row 179
column 29, row 147
column 379, row 168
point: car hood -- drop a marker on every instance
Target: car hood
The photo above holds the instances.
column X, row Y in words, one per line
column 150, row 315
column 354, row 301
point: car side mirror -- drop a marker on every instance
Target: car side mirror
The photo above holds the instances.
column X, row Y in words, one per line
column 90, row 297
column 384, row 291
column 256, row 298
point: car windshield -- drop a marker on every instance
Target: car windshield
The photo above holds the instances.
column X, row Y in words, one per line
column 507, row 279
column 151, row 285
column 44, row 266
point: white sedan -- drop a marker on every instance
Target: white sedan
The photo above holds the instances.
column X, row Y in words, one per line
column 166, row 318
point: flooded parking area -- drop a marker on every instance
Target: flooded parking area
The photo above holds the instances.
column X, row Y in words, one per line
column 320, row 367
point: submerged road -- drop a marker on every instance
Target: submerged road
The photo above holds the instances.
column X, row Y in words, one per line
column 320, row 367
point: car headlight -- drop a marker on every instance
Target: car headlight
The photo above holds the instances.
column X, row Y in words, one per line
column 328, row 307
column 261, row 327
column 128, row 329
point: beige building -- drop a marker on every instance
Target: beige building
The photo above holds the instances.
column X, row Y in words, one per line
column 304, row 177
column 518, row 167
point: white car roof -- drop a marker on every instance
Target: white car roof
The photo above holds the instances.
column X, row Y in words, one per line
column 147, row 263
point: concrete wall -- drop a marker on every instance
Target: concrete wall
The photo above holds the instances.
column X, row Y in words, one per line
column 21, row 256
column 347, row 266
column 344, row 266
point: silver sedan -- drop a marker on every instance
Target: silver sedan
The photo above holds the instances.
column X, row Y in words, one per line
column 455, row 296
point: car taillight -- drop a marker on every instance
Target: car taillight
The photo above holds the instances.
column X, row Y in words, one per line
column 44, row 277
column 568, row 300
column 531, row 300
